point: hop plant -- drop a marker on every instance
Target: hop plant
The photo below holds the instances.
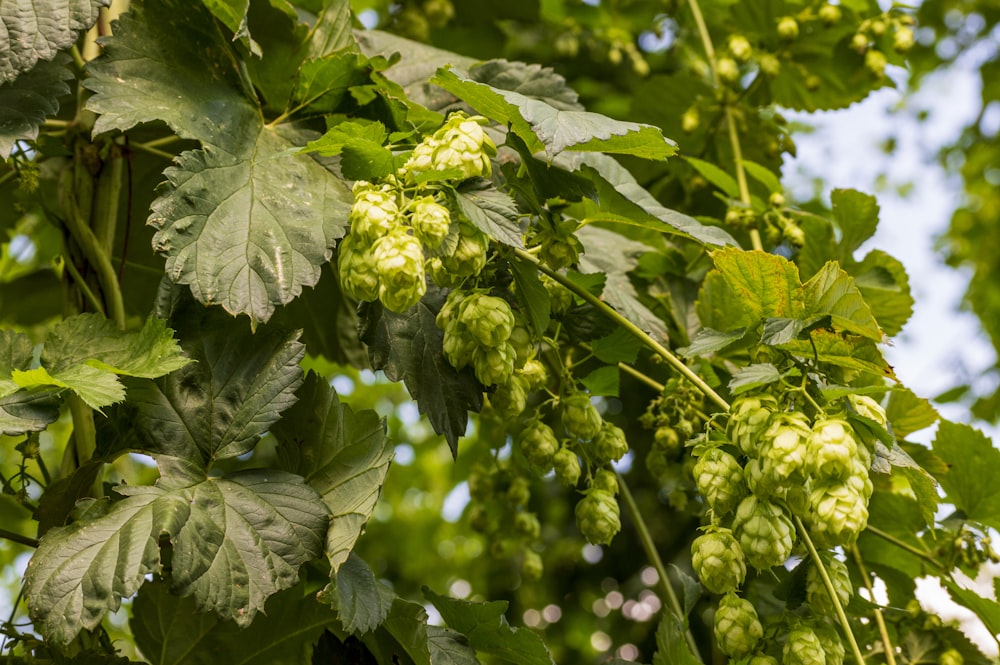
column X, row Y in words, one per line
column 580, row 417
column 494, row 365
column 469, row 257
column 597, row 517
column 838, row 510
column 784, row 450
column 374, row 212
column 610, row 444
column 737, row 628
column 832, row 448
column 527, row 525
column 718, row 560
column 356, row 267
column 803, row 648
column 567, row 466
column 765, row 532
column 488, row 319
column 539, row 444
column 399, row 260
column 830, row 642
column 719, row 478
column 748, row 419
column 816, row 592
column 430, row 220
column 460, row 144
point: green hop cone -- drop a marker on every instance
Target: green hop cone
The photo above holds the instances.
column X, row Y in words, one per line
column 480, row 483
column 610, row 444
column 784, row 449
column 866, row 407
column 598, row 517
column 951, row 657
column 833, row 648
column 719, row 478
column 430, row 220
column 539, row 444
column 560, row 298
column 463, row 144
column 737, row 628
column 531, row 566
column 527, row 525
column 560, row 248
column 667, row 439
column 567, row 466
column 519, row 491
column 762, row 659
column 534, row 373
column 832, row 448
column 718, row 560
column 816, row 592
column 520, row 339
column 748, row 419
column 469, row 256
column 356, row 267
column 580, row 418
column 803, row 648
column 838, row 510
column 606, row 480
column 451, row 311
column 458, row 347
column 374, row 212
column 510, row 398
column 494, row 366
column 788, row 28
column 740, row 47
column 765, row 532
column 487, row 318
column 399, row 261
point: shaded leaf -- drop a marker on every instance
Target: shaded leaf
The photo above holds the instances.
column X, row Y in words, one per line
column 716, row 176
column 986, row 609
column 780, row 330
column 448, row 647
column 362, row 601
column 342, row 455
column 236, row 540
column 603, row 381
column 531, row 294
column 857, row 216
column 530, row 80
column 720, row 307
column 832, row 292
column 28, row 411
column 620, row 346
column 407, row 347
column 908, row 413
column 753, row 376
column 490, row 210
column 973, row 465
column 37, row 30
column 708, row 341
column 671, row 646
column 16, row 353
column 363, row 155
column 763, row 175
column 26, row 101
column 842, row 350
column 407, row 624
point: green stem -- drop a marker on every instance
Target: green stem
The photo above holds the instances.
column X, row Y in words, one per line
column 831, row 590
column 654, row 558
column 96, row 257
column 890, row 655
column 107, row 198
column 81, row 283
column 157, row 143
column 150, row 150
column 875, row 531
column 635, row 330
column 649, row 381
column 84, row 435
column 18, row 538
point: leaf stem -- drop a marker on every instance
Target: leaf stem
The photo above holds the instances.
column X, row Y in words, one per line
column 81, row 283
column 905, row 546
column 635, row 330
column 890, row 656
column 830, row 589
column 18, row 538
column 152, row 150
column 649, row 381
column 654, row 558
column 107, row 199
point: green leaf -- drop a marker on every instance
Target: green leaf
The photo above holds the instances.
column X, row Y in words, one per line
column 767, row 284
column 545, row 127
column 364, row 157
column 236, row 540
column 94, row 386
column 531, row 294
column 986, row 609
column 763, row 175
column 233, row 15
column 779, row 330
column 342, row 455
column 323, row 83
column 245, row 221
column 28, row 411
column 753, row 376
column 900, row 517
column 832, row 292
column 716, row 176
column 847, row 351
column 169, row 630
column 37, row 30
column 448, row 647
column 621, row 346
column 720, row 307
column 333, row 30
column 708, row 341
column 26, row 101
column 671, row 646
column 219, row 406
column 490, row 210
column 487, row 630
column 908, row 413
column 407, row 347
column 603, row 381
column 407, row 623
column 531, row 80
column 16, row 353
column 857, row 216
column 885, row 285
column 973, row 464
column 362, row 601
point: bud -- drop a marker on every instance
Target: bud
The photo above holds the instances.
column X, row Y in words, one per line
column 399, row 260
column 488, row 319
column 597, row 517
column 762, row 659
column 902, row 40
column 729, row 71
column 356, row 267
column 737, row 628
column 523, row 345
column 667, row 439
column 519, row 491
column 788, row 28
column 458, row 347
column 538, row 443
column 816, row 592
column 469, row 257
column 740, row 47
column 691, row 120
column 559, row 296
column 719, row 478
column 534, row 374
column 748, row 419
column 493, row 365
column 803, row 648
column 784, row 447
column 559, row 250
column 532, row 566
column 830, row 14
column 480, row 483
column 769, row 64
column 832, row 448
column 430, row 220
column 374, row 212
column 610, row 444
column 859, row 42
column 951, row 657
column 765, row 532
column 718, row 560
column 875, row 62
column 462, row 144
column 580, row 417
column 866, row 407
column 567, row 466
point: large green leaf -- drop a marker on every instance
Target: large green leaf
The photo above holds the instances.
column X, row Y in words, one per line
column 848, row 351
column 973, row 464
column 530, row 80
column 767, row 284
column 856, row 214
column 342, row 455
column 362, row 602
column 491, row 211
column 26, row 101
column 487, row 630
column 169, row 630
column 545, row 127
column 28, row 411
column 245, row 221
column 885, row 285
column 909, row 413
column 832, row 292
column 407, row 347
column 219, row 406
column 235, row 541
column 36, row 30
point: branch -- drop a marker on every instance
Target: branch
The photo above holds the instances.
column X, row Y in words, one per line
column 18, row 538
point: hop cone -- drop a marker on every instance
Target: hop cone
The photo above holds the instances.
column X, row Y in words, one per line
column 597, row 517
column 538, row 443
column 469, row 256
column 567, row 466
column 510, row 398
column 868, row 408
column 579, row 416
column 356, row 266
column 765, row 532
column 816, row 593
column 803, row 648
column 493, row 366
column 748, row 419
column 610, row 444
column 737, row 628
column 718, row 560
column 832, row 448
column 399, row 260
column 489, row 319
column 784, row 451
column 838, row 511
column 762, row 659
column 430, row 220
column 374, row 212
column 829, row 640
column 719, row 478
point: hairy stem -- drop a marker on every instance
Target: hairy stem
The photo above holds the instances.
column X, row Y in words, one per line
column 654, row 558
column 890, row 655
column 831, row 590
column 635, row 330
